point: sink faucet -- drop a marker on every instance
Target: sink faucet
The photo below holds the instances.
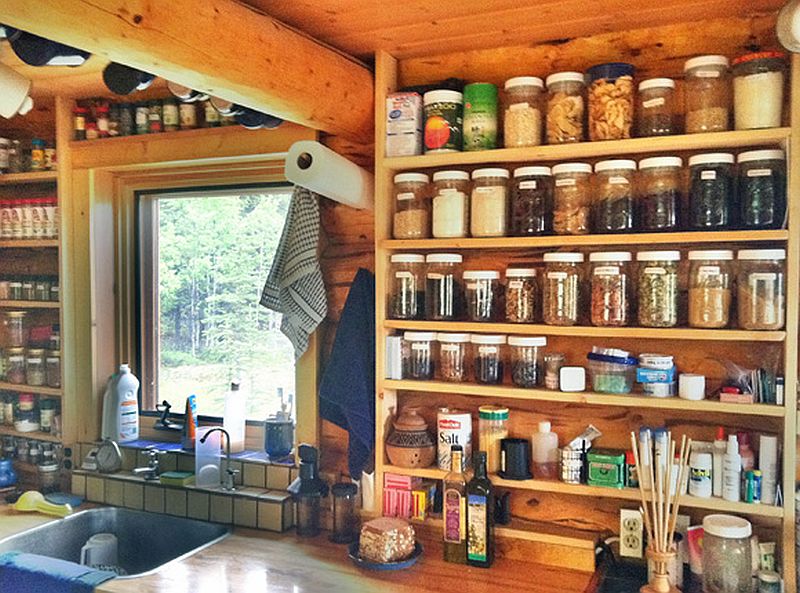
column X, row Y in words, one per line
column 229, row 472
column 152, row 471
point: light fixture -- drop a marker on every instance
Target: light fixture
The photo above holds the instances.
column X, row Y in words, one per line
column 185, row 94
column 123, row 80
column 788, row 26
column 38, row 51
column 14, row 93
column 255, row 120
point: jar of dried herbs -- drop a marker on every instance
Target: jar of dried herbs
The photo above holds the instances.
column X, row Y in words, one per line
column 531, row 202
column 659, row 195
column 561, row 288
column 657, row 288
column 761, row 189
column 656, row 107
column 613, row 203
column 482, row 292
column 487, row 353
column 453, row 356
column 526, row 360
column 522, row 295
column 407, row 298
column 708, row 94
column 761, row 289
column 611, row 288
column 710, row 288
column 444, row 294
column 418, row 360
column 711, row 191
column 572, row 198
column 412, row 210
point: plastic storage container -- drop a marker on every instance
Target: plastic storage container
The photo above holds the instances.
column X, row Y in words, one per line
column 522, row 295
column 444, row 294
column 610, row 288
column 659, row 194
column 492, row 428
column 613, row 199
column 565, row 107
column 610, row 101
column 526, row 360
column 707, row 94
column 655, row 108
column 487, row 354
column 612, row 371
column 407, row 299
column 711, row 191
column 561, row 288
column 453, row 356
column 418, row 355
column 483, row 295
column 657, row 374
column 758, row 83
column 710, row 288
column 531, row 198
column 489, row 202
column 657, row 288
column 450, row 204
column 727, row 563
column 522, row 125
column 412, row 206
column 761, row 289
column 761, row 189
column 572, row 198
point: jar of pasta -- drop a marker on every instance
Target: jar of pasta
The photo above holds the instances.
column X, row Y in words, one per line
column 761, row 189
column 711, row 191
column 656, row 108
column 450, row 204
column 526, row 360
column 407, row 298
column 611, row 288
column 522, row 295
column 531, row 202
column 487, row 357
column 659, row 194
column 561, row 288
column 412, row 211
column 453, row 356
column 610, row 101
column 710, row 288
column 444, row 296
column 565, row 107
column 482, row 292
column 489, row 202
column 708, row 94
column 761, row 289
column 657, row 288
column 613, row 200
column 572, row 198
column 492, row 428
column 523, row 113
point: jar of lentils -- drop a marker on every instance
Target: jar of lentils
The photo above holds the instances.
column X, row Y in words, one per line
column 659, row 194
column 450, row 204
column 761, row 189
column 407, row 299
column 444, row 294
column 453, row 356
column 761, row 289
column 531, row 202
column 656, row 107
column 565, row 107
column 487, row 354
column 418, row 356
column 489, row 202
column 522, row 295
column 522, row 124
column 710, row 288
column 711, row 191
column 482, row 292
column 707, row 85
column 572, row 198
column 412, row 210
column 611, row 288
column 526, row 360
column 561, row 288
column 657, row 288
column 613, row 202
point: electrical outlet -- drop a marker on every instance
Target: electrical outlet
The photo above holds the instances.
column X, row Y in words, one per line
column 631, row 533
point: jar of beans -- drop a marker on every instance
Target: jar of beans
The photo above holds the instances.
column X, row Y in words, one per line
column 572, row 198
column 489, row 202
column 522, row 122
column 531, row 202
column 711, row 191
column 656, row 107
column 453, row 356
column 561, row 288
column 611, row 288
column 613, row 203
column 657, row 288
column 526, row 360
column 407, row 298
column 710, row 288
column 761, row 289
column 566, row 105
column 418, row 359
column 487, row 354
column 761, row 189
column 659, row 194
column 444, row 294
column 412, row 210
column 707, row 89
column 482, row 293
column 522, row 295
column 450, row 204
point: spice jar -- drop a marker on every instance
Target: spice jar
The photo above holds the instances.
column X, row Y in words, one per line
column 28, row 290
column 526, row 360
column 521, row 295
column 53, row 368
column 15, row 365
column 761, row 189
column 443, row 120
column 79, row 115
column 453, row 356
column 553, row 361
column 711, row 191
column 34, row 367
column 657, row 288
column 659, row 194
column 727, row 551
column 47, row 409
column 16, row 326
column 710, row 288
column 444, row 296
column 613, row 203
column 708, row 94
column 611, row 288
column 489, row 202
column 412, row 214
column 522, row 124
column 531, row 202
column 758, row 81
column 572, row 195
column 561, row 288
column 407, row 300
column 482, row 292
column 487, row 358
column 761, row 289
column 565, row 107
column 610, row 101
column 418, row 362
column 492, row 428
column 450, row 204
column 15, row 290
column 656, row 107
column 42, row 290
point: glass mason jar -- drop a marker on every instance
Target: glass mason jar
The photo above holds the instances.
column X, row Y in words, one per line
column 15, row 365
column 53, row 368
column 28, row 290
column 34, row 367
column 407, row 299
column 610, row 101
column 707, row 93
column 444, row 295
column 526, row 360
column 711, row 191
column 450, row 204
column 15, row 290
column 710, row 288
column 418, row 355
column 565, row 107
column 761, row 189
column 531, row 202
column 487, row 354
column 489, row 202
column 761, row 289
column 657, row 288
column 659, row 194
column 613, row 196
column 758, row 82
column 16, row 325
column 522, row 295
column 655, row 108
column 453, row 356
column 522, row 123
column 572, row 198
column 482, row 295
column 611, row 288
column 561, row 288
column 412, row 210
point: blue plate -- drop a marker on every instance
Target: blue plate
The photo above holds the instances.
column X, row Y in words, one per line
column 399, row 565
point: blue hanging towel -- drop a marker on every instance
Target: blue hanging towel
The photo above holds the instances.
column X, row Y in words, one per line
column 30, row 573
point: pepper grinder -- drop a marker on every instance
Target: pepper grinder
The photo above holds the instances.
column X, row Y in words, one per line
column 308, row 490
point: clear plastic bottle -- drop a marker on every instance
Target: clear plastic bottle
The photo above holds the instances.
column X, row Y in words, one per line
column 453, row 356
column 659, row 194
column 407, row 298
column 613, row 203
column 523, row 111
column 483, row 294
column 657, row 288
column 444, row 293
column 526, row 360
column 412, row 210
column 544, row 445
column 418, row 355
column 656, row 107
column 492, row 428
column 522, row 295
column 566, row 105
column 487, row 353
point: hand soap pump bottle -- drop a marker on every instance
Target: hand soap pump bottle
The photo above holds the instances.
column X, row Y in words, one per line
column 235, row 416
column 308, row 490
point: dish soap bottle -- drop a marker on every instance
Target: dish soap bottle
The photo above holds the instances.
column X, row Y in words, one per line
column 235, row 416
column 545, row 453
column 121, row 407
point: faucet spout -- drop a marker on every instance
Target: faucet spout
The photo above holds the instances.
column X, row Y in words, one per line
column 229, row 484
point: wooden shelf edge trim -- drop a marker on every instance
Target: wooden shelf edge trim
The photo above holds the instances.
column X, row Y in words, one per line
column 28, row 243
column 49, row 391
column 30, row 304
column 36, row 435
column 29, row 178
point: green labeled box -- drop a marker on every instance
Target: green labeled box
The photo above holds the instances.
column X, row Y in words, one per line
column 606, row 468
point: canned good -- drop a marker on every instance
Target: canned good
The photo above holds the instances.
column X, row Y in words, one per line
column 480, row 116
column 453, row 427
column 443, row 121
column 571, row 465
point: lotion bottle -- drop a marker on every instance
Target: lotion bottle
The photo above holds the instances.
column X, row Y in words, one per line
column 720, row 446
column 545, row 453
column 732, row 471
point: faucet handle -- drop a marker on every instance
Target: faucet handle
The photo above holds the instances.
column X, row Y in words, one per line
column 231, row 471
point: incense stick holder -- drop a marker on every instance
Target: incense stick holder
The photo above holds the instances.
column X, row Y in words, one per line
column 659, row 581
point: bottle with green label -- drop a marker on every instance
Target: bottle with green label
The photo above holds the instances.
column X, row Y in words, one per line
column 480, row 515
column 480, row 116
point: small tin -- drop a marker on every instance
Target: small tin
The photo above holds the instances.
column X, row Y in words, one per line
column 606, row 468
column 571, row 465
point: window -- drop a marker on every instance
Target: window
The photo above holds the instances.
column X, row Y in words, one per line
column 203, row 260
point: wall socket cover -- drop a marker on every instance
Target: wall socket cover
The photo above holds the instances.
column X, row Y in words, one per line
column 631, row 534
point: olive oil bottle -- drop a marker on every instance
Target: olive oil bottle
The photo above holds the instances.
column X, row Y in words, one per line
column 480, row 515
column 455, row 509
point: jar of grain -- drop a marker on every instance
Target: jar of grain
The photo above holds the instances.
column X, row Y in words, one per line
column 444, row 295
column 761, row 289
column 610, row 101
column 453, row 356
column 655, row 108
column 565, row 107
column 572, row 198
column 34, row 367
column 450, row 204
column 657, row 288
column 482, row 293
column 526, row 360
column 531, row 202
column 659, row 194
column 522, row 295
column 708, row 94
column 710, row 288
column 418, row 355
column 492, row 428
column 407, row 298
column 522, row 124
column 613, row 203
column 487, row 354
column 711, row 191
column 611, row 288
column 561, row 288
column 761, row 189
column 489, row 202
column 412, row 213
column 758, row 81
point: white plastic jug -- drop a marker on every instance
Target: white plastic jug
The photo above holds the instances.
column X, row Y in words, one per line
column 121, row 407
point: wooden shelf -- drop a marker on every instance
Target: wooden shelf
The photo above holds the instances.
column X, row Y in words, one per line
column 587, row 397
column 37, row 435
column 588, row 150
column 29, row 178
column 30, row 304
column 51, row 391
column 28, row 243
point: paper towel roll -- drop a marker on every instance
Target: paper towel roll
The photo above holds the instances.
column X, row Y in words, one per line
column 316, row 167
column 14, row 89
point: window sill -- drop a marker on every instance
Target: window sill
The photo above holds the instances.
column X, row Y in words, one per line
column 248, row 456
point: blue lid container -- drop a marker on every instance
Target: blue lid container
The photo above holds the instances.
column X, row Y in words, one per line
column 609, row 71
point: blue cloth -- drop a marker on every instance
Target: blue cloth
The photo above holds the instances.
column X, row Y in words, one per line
column 347, row 390
column 30, row 573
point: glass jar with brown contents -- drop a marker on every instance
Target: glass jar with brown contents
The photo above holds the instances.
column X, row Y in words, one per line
column 611, row 288
column 453, row 356
column 657, row 288
column 610, row 101
column 613, row 203
column 412, row 211
column 561, row 288
column 710, row 288
column 572, row 198
column 659, row 194
column 761, row 289
column 656, row 107
column 565, row 107
column 522, row 295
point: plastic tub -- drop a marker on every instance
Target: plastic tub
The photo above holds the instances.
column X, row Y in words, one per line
column 612, row 371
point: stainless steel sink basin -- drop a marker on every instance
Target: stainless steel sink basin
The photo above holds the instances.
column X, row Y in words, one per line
column 147, row 541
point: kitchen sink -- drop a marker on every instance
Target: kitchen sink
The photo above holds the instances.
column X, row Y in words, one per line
column 146, row 541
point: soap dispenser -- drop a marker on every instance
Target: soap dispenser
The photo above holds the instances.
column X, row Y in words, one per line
column 308, row 490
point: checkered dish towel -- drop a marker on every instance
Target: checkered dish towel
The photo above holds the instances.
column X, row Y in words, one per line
column 295, row 287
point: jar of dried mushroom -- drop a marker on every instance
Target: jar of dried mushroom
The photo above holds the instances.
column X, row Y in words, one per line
column 657, row 288
column 522, row 124
column 610, row 101
column 412, row 210
column 482, row 294
column 522, row 295
column 572, row 198
column 758, row 82
column 450, row 204
column 613, row 199
column 489, row 202
column 761, row 189
column 761, row 289
column 710, row 288
column 708, row 94
column 487, row 354
column 407, row 298
column 659, row 194
column 418, row 359
column 561, row 288
column 711, row 191
column 565, row 107
column 526, row 360
column 444, row 296
column 453, row 356
column 611, row 288
column 655, row 108
column 531, row 202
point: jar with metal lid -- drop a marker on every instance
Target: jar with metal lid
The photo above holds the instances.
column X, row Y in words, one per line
column 708, row 94
column 522, row 295
column 761, row 289
column 418, row 355
column 659, row 194
column 613, row 199
column 450, row 204
column 727, row 551
column 53, row 368
column 47, row 409
column 711, row 191
column 42, row 289
column 610, row 101
column 489, row 202
column 444, row 294
column 487, row 356
column 657, row 288
column 407, row 298
column 526, row 360
column 572, row 198
column 482, row 292
column 412, row 207
column 4, row 290
column 710, row 288
column 453, row 356
column 758, row 82
column 761, row 189
column 611, row 288
column 28, row 290
column 15, row 365
column 492, row 428
column 522, row 124
column 34, row 367
column 531, row 202
column 15, row 290
column 16, row 326
column 656, row 108
column 561, row 288
column 565, row 107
